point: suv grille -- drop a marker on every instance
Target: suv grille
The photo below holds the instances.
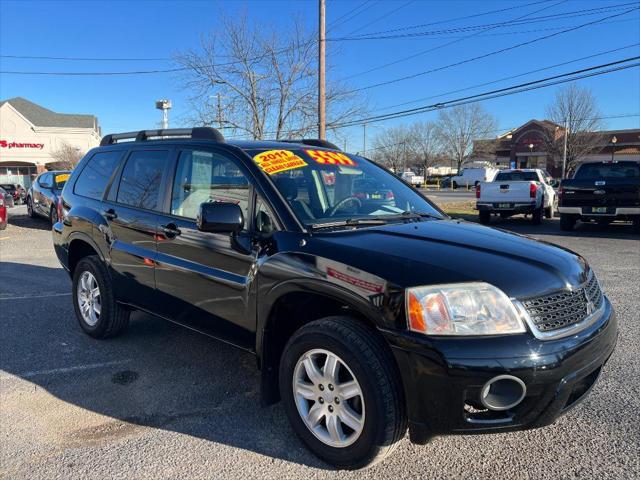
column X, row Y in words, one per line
column 559, row 310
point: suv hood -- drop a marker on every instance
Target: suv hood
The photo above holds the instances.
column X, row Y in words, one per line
column 451, row 251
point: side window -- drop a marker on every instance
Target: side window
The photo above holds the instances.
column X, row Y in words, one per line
column 141, row 177
column 265, row 221
column 95, row 175
column 203, row 176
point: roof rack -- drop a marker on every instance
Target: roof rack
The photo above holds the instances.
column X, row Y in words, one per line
column 200, row 133
column 314, row 142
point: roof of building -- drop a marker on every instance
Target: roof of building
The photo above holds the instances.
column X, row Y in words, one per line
column 43, row 117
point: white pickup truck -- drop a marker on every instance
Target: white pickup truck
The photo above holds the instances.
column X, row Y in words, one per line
column 528, row 191
column 410, row 177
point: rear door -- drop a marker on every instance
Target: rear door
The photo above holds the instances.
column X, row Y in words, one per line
column 203, row 279
column 131, row 210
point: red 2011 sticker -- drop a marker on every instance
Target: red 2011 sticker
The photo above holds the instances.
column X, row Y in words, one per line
column 330, row 158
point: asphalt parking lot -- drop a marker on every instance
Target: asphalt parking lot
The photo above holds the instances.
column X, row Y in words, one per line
column 164, row 402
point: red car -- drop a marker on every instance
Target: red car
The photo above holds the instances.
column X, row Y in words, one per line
column 3, row 210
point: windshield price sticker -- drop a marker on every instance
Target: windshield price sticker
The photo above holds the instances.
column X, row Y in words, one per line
column 330, row 158
column 63, row 177
column 276, row 161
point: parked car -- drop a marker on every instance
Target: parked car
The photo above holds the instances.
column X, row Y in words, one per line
column 528, row 191
column 410, row 177
column 42, row 197
column 603, row 192
column 373, row 192
column 364, row 321
column 8, row 198
column 17, row 191
column 470, row 177
column 3, row 208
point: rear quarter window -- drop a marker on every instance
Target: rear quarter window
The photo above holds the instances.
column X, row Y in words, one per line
column 96, row 174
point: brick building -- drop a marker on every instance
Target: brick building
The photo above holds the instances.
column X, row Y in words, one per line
column 525, row 147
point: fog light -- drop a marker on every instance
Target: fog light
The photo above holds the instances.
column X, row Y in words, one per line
column 503, row 392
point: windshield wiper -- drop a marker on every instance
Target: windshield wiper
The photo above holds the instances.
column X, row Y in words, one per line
column 410, row 215
column 349, row 222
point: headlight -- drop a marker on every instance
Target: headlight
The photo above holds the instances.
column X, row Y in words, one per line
column 461, row 309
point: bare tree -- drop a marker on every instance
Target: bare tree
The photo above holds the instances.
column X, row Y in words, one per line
column 424, row 145
column 392, row 147
column 260, row 83
column 66, row 156
column 577, row 107
column 459, row 126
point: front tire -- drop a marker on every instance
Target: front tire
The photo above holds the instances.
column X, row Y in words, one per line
column 30, row 211
column 94, row 301
column 342, row 392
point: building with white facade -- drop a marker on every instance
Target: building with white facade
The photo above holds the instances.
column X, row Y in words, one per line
column 30, row 134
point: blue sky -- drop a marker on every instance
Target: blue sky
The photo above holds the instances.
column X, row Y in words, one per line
column 158, row 29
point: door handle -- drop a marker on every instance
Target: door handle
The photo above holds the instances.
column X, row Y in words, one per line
column 110, row 214
column 170, row 230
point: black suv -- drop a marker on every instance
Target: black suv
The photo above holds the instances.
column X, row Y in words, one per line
column 365, row 316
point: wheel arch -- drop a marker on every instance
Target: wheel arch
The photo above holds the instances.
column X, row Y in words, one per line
column 293, row 304
column 81, row 246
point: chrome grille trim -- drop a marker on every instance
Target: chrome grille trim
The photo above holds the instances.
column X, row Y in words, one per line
column 563, row 313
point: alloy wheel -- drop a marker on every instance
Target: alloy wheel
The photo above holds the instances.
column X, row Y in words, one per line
column 328, row 398
column 89, row 298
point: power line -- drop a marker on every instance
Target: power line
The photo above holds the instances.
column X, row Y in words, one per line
column 486, row 55
column 445, row 44
column 509, row 77
column 386, row 15
column 570, row 14
column 523, row 87
column 337, row 21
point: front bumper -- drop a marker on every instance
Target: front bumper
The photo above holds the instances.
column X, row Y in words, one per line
column 443, row 377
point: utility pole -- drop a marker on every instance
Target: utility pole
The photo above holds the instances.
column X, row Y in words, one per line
column 364, row 139
column 321, row 73
column 564, row 154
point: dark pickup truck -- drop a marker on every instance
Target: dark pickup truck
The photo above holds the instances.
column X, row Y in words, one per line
column 601, row 192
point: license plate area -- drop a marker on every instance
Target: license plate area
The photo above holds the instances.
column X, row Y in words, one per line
column 504, row 205
column 599, row 209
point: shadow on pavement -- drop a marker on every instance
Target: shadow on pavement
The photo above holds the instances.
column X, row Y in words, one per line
column 20, row 219
column 156, row 374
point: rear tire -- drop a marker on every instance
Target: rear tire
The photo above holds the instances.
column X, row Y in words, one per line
column 97, row 311
column 537, row 215
column 366, row 363
column 53, row 216
column 485, row 217
column 454, row 185
column 550, row 211
column 567, row 222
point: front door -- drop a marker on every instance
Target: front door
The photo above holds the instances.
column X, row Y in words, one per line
column 132, row 216
column 203, row 279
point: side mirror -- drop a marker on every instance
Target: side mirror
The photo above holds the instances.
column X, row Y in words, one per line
column 220, row 217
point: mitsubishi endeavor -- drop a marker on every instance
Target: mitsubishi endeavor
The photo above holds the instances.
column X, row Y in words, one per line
column 368, row 314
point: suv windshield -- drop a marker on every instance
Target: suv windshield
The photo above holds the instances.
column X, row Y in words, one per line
column 608, row 170
column 516, row 177
column 325, row 187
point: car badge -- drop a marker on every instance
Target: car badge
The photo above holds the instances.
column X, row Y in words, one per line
column 600, row 183
column 591, row 307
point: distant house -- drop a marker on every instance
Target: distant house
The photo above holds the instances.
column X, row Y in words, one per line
column 29, row 133
column 525, row 147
